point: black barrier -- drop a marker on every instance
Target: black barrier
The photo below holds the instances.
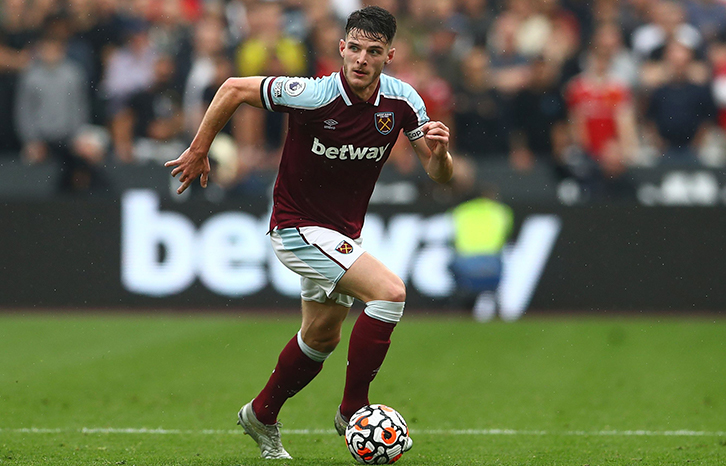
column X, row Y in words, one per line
column 143, row 251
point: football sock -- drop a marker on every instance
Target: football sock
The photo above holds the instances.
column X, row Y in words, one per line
column 369, row 342
column 313, row 354
column 294, row 370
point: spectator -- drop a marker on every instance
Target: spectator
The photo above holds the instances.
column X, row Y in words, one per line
column 668, row 23
column 51, row 109
column 325, row 56
column 478, row 19
column 35, row 13
column 100, row 25
column 130, row 69
column 14, row 57
column 481, row 228
column 563, row 40
column 208, row 44
column 624, row 65
column 150, row 125
column 539, row 127
column 681, row 110
column 707, row 16
column 717, row 59
column 301, row 17
column 544, row 28
column 446, row 39
column 509, row 67
column 479, row 122
column 630, row 15
column 486, row 66
column 715, row 154
column 77, row 49
column 602, row 126
column 267, row 51
column 170, row 30
column 531, row 28
column 235, row 14
column 171, row 34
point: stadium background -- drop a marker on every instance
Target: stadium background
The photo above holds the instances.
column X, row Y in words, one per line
column 635, row 223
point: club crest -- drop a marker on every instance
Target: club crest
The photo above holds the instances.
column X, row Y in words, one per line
column 344, row 247
column 384, row 122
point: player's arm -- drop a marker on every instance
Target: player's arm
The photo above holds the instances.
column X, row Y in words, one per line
column 193, row 163
column 433, row 151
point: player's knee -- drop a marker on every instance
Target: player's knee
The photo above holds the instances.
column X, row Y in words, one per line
column 326, row 345
column 321, row 338
column 328, row 341
column 394, row 291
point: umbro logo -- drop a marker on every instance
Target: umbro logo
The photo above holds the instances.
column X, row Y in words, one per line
column 330, row 123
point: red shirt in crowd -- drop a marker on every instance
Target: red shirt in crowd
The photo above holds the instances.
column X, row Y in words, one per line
column 596, row 102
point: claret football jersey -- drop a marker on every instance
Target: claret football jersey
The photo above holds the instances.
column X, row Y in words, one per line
column 336, row 145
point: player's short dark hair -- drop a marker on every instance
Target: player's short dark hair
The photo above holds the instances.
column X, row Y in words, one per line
column 374, row 22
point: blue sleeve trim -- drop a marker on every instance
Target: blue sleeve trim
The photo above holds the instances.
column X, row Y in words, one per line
column 393, row 88
column 300, row 93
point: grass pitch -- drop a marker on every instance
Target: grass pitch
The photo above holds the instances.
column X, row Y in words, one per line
column 144, row 390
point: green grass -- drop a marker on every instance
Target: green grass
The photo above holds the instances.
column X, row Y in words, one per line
column 571, row 391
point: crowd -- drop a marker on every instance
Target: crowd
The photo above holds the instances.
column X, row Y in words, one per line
column 587, row 88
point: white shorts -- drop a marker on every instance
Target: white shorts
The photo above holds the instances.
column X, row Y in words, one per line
column 320, row 256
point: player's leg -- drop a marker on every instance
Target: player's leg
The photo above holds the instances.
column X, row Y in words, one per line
column 298, row 364
column 384, row 295
column 309, row 252
column 321, row 324
column 302, row 358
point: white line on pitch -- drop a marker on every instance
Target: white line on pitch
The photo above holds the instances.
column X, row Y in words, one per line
column 474, row 432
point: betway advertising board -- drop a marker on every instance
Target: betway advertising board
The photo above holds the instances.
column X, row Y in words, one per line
column 141, row 251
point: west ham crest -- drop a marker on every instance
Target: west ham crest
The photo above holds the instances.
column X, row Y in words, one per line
column 384, row 122
column 344, row 247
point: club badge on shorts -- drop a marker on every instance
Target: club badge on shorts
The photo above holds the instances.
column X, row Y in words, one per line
column 344, row 247
column 384, row 122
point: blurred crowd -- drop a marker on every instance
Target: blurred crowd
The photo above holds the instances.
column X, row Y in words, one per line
column 587, row 88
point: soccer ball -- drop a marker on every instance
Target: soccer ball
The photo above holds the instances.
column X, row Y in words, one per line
column 376, row 434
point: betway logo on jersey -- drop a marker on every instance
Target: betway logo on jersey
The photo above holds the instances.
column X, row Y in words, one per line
column 349, row 151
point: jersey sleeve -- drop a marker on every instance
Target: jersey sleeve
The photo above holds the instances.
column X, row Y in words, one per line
column 284, row 93
column 413, row 123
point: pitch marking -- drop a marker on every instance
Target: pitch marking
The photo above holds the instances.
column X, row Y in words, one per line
column 474, row 432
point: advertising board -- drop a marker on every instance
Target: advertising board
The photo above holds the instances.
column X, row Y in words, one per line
column 142, row 251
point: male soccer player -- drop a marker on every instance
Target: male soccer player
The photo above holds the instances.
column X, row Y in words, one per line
column 341, row 131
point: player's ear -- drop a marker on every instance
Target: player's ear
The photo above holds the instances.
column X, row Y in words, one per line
column 389, row 58
column 341, row 46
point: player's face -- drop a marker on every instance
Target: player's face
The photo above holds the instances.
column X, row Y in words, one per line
column 363, row 61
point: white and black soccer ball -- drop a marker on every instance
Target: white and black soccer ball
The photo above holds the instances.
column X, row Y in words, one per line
column 376, row 434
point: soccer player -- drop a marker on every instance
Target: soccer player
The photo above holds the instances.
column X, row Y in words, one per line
column 341, row 131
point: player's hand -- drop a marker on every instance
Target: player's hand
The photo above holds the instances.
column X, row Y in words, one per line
column 191, row 166
column 436, row 135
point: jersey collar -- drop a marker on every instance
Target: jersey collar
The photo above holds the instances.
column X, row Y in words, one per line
column 349, row 96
